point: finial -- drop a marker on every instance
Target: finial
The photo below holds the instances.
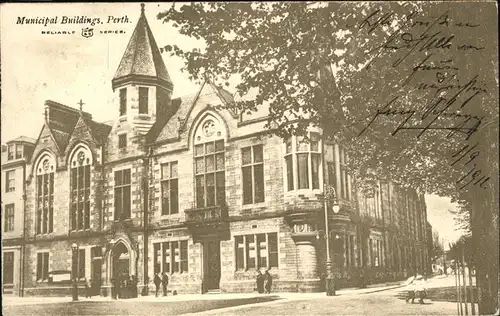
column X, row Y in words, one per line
column 81, row 105
column 142, row 8
column 45, row 114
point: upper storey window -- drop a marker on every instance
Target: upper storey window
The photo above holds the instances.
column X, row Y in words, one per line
column 253, row 174
column 19, row 151
column 303, row 159
column 209, row 152
column 122, row 194
column 123, row 101
column 10, row 153
column 45, row 194
column 169, row 188
column 10, row 181
column 80, row 189
column 340, row 179
column 15, row 151
column 143, row 100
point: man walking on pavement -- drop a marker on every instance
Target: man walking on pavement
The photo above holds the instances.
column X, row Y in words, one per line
column 157, row 282
column 165, row 283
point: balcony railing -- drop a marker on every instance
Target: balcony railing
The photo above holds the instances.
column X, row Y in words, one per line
column 211, row 213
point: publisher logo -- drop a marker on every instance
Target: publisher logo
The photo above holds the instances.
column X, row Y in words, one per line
column 87, row 32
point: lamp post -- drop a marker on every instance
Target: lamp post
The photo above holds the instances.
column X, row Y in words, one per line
column 330, row 280
column 74, row 291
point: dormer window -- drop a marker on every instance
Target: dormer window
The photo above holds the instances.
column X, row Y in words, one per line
column 143, row 100
column 123, row 101
column 19, row 151
column 302, row 160
column 10, row 155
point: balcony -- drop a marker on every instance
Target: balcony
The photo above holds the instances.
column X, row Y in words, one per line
column 208, row 222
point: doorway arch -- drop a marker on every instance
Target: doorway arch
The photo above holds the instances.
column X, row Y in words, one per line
column 121, row 260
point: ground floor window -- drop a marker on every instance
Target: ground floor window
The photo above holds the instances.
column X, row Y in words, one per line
column 376, row 254
column 256, row 251
column 42, row 266
column 350, row 253
column 8, row 267
column 171, row 256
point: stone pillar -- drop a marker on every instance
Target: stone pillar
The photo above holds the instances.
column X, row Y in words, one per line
column 304, row 235
column 306, row 252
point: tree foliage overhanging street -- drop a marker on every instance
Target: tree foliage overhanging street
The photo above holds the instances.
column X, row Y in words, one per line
column 409, row 89
column 279, row 49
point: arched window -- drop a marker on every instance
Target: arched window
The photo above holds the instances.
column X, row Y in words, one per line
column 209, row 151
column 45, row 194
column 306, row 155
column 80, row 162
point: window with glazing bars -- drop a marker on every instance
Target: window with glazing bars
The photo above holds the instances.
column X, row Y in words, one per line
column 122, row 194
column 169, row 188
column 256, row 251
column 80, row 197
column 253, row 174
column 210, row 174
column 171, row 256
column 45, row 203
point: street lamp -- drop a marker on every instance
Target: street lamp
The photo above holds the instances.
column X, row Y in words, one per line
column 74, row 248
column 330, row 280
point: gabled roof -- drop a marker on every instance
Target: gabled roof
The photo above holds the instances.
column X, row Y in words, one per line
column 179, row 108
column 99, row 131
column 142, row 56
column 170, row 125
column 62, row 119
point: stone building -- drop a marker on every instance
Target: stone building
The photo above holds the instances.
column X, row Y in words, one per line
column 203, row 193
column 15, row 153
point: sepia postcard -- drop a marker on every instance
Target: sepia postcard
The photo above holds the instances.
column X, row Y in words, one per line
column 257, row 158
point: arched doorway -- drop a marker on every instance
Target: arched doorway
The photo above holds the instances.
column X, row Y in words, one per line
column 120, row 262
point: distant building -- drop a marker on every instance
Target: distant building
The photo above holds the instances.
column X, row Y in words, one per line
column 430, row 245
column 203, row 194
column 14, row 156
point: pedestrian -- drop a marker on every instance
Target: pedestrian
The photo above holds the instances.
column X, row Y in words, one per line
column 113, row 288
column 269, row 282
column 124, row 289
column 157, row 282
column 260, row 282
column 118, row 287
column 133, row 286
column 88, row 288
column 416, row 287
column 164, row 281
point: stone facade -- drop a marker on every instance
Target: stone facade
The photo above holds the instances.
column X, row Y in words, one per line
column 204, row 194
column 15, row 153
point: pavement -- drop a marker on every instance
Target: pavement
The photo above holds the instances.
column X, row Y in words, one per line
column 378, row 299
column 15, row 300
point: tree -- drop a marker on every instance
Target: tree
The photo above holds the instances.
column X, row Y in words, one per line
column 437, row 248
column 463, row 246
column 407, row 88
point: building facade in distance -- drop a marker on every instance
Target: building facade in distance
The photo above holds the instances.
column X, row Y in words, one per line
column 14, row 156
column 203, row 193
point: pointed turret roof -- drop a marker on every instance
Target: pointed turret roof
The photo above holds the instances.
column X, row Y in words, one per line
column 142, row 59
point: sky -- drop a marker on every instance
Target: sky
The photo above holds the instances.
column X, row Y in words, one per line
column 67, row 68
column 440, row 219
